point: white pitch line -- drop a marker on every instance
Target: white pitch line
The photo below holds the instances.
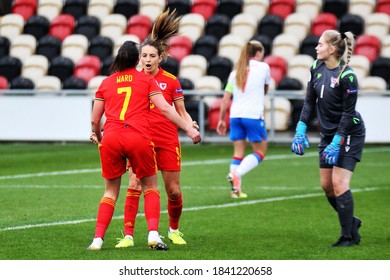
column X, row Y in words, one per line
column 197, row 208
column 189, row 163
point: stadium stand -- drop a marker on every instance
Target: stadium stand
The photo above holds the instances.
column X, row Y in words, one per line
column 278, row 66
column 281, row 8
column 213, row 114
column 380, row 67
column 308, row 45
column 208, row 83
column 298, row 67
column 3, row 82
column 360, row 65
column 35, row 67
column 385, row 46
column 362, row 8
column 74, row 83
column 322, row 22
column 193, row 67
column 372, row 83
column 87, row 67
column 128, row 8
column 230, row 46
column 22, row 83
column 281, row 108
column 151, row 8
column 48, row 83
column 337, row 7
column 229, row 7
column 95, row 82
column 106, row 63
column 180, row 47
column 353, row 23
column 377, row 24
column 62, row 26
column 298, row 24
column 171, row 65
column 61, row 67
column 220, row 66
column 285, row 45
column 113, row 26
column 368, row 45
column 4, row 46
column 206, row 8
column 383, row 6
column 74, row 47
column 23, row 46
column 120, row 40
column 266, row 41
column 100, row 8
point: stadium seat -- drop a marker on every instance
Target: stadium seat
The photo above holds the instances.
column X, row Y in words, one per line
column 50, row 8
column 206, row 45
column 265, row 41
column 128, row 8
column 139, row 25
column 380, row 67
column 180, row 47
column 23, row 46
column 74, row 83
column 230, row 46
column 353, row 23
column 62, row 26
column 383, row 6
column 61, row 67
column 193, row 67
column 298, row 24
column 101, row 47
column 48, row 83
column 88, row 26
column 10, row 67
column 385, row 46
column 281, row 8
column 298, row 67
column 337, row 7
column 22, row 83
column 120, row 40
column 278, row 67
column 244, row 25
column 113, row 26
column 76, row 8
column 170, row 65
column 182, row 7
column 368, row 45
column 281, row 107
column 322, row 22
column 362, row 8
column 37, row 25
column 3, row 82
column 192, row 25
column 95, row 82
column 257, row 8
column 291, row 84
column 151, row 8
column 100, row 8
column 25, row 8
column 74, row 47
column 35, row 67
column 377, row 24
column 285, row 45
column 309, row 44
column 220, row 66
column 372, row 83
column 206, row 8
column 270, row 25
column 11, row 25
column 106, row 64
column 309, row 7
column 210, row 83
column 360, row 65
column 214, row 112
column 186, row 84
column 218, row 26
column 4, row 46
column 49, row 46
column 229, row 7
column 87, row 67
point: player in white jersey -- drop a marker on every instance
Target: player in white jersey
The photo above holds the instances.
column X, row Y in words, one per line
column 248, row 84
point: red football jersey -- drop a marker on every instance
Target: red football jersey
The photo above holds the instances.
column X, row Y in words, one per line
column 162, row 129
column 126, row 101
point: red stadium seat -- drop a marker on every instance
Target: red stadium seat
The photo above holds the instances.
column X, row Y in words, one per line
column 204, row 7
column 214, row 111
column 62, row 26
column 3, row 82
column 87, row 67
column 278, row 66
column 281, row 8
column 25, row 8
column 181, row 46
column 139, row 25
column 369, row 46
column 383, row 6
column 322, row 22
